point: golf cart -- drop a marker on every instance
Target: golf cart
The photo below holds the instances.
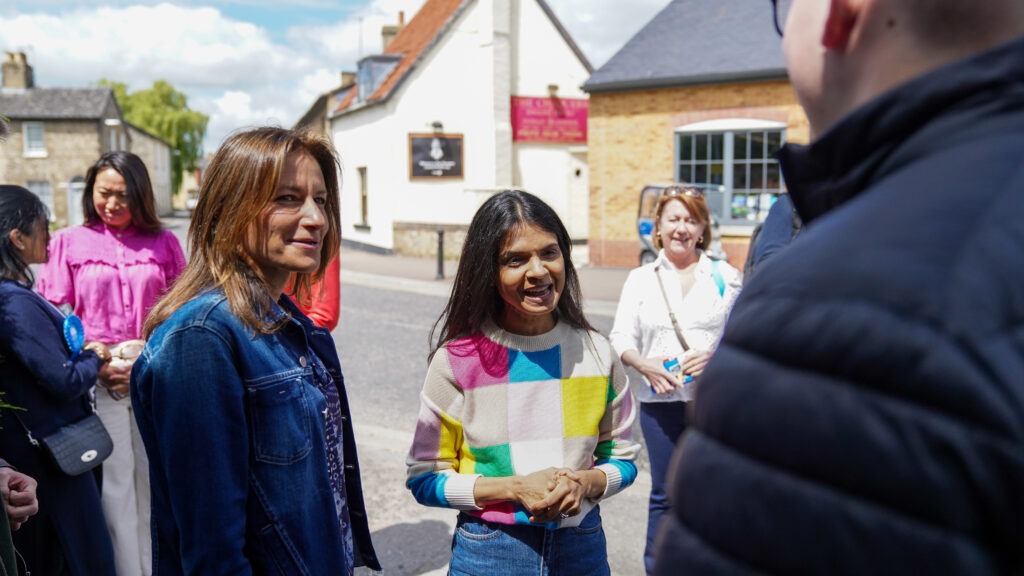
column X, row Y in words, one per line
column 645, row 223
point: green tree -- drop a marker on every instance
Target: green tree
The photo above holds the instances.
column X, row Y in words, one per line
column 164, row 111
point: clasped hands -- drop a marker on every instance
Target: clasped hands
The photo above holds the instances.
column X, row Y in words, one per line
column 553, row 494
column 116, row 370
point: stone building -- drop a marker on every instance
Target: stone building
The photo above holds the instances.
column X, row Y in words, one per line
column 699, row 95
column 156, row 154
column 56, row 134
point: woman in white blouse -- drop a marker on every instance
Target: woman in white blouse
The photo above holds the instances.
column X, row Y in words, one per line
column 672, row 309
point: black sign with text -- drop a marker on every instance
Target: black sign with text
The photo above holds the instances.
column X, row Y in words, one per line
column 435, row 155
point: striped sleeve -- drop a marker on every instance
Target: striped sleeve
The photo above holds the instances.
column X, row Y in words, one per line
column 616, row 450
column 432, row 466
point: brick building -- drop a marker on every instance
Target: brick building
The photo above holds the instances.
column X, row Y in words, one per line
column 699, row 95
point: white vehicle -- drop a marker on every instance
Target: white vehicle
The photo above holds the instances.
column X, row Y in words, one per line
column 192, row 199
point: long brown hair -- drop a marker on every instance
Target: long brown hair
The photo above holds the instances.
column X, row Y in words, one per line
column 238, row 184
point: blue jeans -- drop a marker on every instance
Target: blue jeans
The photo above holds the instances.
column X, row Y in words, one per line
column 484, row 549
column 662, row 423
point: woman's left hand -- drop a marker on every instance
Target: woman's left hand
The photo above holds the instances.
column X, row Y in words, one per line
column 566, row 498
column 694, row 361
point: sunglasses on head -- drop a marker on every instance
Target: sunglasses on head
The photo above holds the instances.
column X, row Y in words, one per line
column 690, row 191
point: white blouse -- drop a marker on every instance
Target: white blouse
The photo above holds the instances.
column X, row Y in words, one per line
column 642, row 322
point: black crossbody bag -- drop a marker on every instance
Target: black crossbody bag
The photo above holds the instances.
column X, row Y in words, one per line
column 75, row 448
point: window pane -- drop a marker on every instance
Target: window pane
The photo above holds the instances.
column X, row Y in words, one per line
column 34, row 137
column 700, row 174
column 739, row 177
column 756, row 176
column 717, row 146
column 752, row 203
column 43, row 190
column 757, row 145
column 739, row 145
column 685, row 173
column 774, row 143
column 739, row 206
column 717, row 173
column 686, row 147
column 772, row 178
column 766, row 204
column 701, row 142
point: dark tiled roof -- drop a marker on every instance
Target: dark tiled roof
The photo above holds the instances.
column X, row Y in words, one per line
column 55, row 103
column 696, row 42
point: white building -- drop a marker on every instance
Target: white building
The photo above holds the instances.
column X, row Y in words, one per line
column 471, row 97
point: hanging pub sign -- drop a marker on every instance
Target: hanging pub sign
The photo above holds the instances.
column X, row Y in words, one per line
column 552, row 119
column 435, row 155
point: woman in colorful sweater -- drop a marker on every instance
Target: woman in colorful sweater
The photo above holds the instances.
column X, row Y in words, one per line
column 526, row 414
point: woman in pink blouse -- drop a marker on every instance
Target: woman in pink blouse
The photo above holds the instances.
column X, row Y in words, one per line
column 111, row 270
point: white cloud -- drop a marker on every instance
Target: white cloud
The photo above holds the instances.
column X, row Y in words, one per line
column 238, row 73
column 601, row 27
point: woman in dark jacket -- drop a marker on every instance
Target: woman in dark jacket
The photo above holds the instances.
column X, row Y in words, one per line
column 37, row 373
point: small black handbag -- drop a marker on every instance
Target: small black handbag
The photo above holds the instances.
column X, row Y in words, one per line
column 78, row 447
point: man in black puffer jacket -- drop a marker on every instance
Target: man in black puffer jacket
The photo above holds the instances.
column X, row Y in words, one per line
column 864, row 413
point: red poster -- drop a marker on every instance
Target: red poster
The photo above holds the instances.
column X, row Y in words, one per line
column 562, row 120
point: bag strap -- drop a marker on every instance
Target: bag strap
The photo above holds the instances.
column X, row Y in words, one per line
column 671, row 314
column 31, row 439
column 716, row 275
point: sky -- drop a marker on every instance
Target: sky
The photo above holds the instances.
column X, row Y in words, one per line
column 247, row 62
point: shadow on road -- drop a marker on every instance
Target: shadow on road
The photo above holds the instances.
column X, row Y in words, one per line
column 411, row 549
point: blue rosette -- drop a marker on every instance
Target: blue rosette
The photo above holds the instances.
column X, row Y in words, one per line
column 74, row 334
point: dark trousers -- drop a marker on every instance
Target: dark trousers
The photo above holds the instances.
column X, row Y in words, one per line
column 662, row 424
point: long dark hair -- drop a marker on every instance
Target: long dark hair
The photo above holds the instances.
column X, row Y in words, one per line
column 475, row 296
column 19, row 210
column 137, row 185
column 239, row 183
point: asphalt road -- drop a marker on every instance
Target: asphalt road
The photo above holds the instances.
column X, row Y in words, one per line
column 383, row 342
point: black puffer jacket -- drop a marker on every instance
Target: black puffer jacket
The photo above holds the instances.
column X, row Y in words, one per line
column 864, row 413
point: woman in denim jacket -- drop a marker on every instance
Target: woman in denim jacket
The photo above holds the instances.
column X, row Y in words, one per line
column 239, row 397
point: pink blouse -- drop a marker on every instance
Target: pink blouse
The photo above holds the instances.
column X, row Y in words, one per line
column 110, row 277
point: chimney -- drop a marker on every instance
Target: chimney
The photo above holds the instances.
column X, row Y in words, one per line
column 388, row 33
column 347, row 77
column 16, row 71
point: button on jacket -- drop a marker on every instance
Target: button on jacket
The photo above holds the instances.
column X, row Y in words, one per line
column 233, row 424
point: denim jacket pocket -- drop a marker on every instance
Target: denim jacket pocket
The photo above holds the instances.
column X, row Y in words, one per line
column 280, row 416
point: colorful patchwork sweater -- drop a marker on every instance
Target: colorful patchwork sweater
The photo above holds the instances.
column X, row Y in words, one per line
column 499, row 404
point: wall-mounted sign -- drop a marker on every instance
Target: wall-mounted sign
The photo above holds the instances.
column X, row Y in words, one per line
column 562, row 120
column 435, row 155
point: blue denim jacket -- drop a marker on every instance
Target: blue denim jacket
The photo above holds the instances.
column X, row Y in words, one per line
column 234, row 427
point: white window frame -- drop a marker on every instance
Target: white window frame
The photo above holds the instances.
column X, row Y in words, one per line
column 43, row 189
column 32, row 148
column 724, row 131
